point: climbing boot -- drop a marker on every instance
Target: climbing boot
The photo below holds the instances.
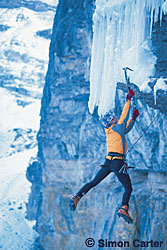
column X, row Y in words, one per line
column 123, row 212
column 73, row 202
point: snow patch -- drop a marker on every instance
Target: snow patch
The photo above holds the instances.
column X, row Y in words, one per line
column 16, row 116
column 160, row 84
column 24, row 24
column 24, row 55
column 145, row 87
column 23, row 62
column 17, row 232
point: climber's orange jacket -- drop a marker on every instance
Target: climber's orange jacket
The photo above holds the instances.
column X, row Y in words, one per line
column 116, row 140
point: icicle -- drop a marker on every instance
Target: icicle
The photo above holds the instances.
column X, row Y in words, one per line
column 151, row 24
column 122, row 30
column 164, row 7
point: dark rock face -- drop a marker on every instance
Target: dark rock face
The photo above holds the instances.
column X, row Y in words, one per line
column 44, row 33
column 66, row 91
column 71, row 145
column 34, row 175
column 4, row 27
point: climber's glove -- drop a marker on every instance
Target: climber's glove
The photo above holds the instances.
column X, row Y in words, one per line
column 130, row 94
column 135, row 114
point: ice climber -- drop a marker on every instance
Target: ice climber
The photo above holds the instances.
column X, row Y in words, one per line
column 115, row 160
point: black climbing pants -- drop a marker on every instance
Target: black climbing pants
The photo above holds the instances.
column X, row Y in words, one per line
column 108, row 167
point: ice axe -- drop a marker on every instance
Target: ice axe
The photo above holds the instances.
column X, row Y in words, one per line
column 127, row 79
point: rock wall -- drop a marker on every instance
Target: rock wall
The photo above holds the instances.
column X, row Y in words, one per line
column 71, row 145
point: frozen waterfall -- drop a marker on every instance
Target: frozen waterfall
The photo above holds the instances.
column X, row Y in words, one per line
column 122, row 37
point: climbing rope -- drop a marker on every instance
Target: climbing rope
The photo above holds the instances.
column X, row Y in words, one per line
column 143, row 133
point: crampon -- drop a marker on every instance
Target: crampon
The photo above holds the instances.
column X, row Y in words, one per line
column 123, row 212
column 73, row 202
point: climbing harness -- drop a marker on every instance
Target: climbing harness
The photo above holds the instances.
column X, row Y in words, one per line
column 111, row 156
